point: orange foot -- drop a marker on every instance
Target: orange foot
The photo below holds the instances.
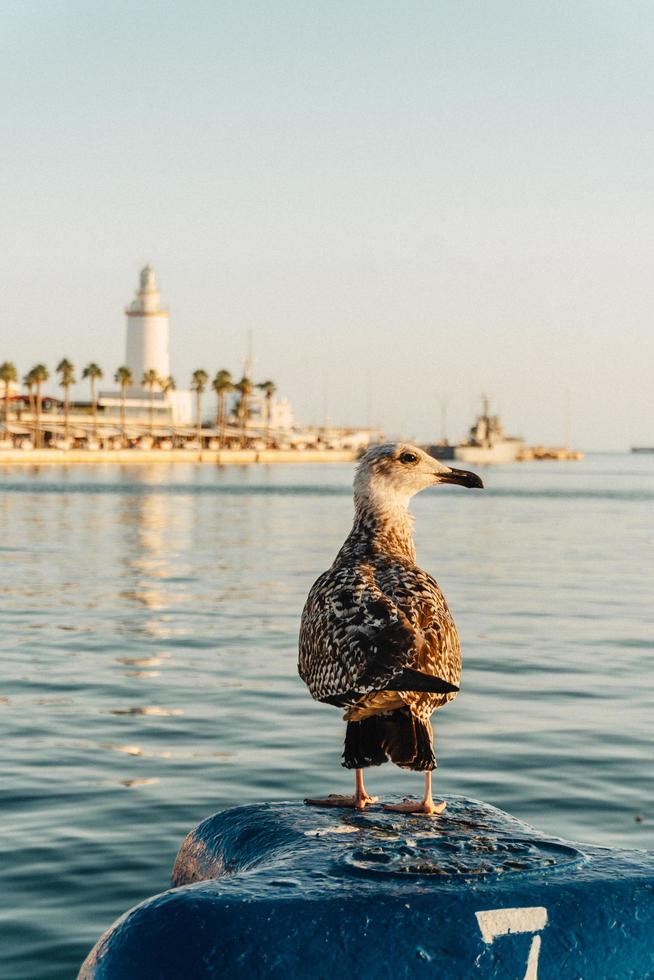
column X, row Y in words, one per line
column 356, row 802
column 413, row 806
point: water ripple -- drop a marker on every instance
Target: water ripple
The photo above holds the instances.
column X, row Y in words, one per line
column 149, row 673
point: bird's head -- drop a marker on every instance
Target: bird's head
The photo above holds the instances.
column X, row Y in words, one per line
column 391, row 474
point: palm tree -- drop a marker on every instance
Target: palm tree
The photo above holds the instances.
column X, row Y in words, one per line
column 222, row 384
column 67, row 372
column 151, row 380
column 268, row 388
column 198, row 384
column 245, row 389
column 8, row 375
column 38, row 376
column 123, row 377
column 29, row 382
column 168, row 384
column 93, row 372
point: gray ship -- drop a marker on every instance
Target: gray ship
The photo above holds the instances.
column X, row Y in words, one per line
column 486, row 443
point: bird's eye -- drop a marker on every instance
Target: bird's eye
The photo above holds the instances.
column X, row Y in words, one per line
column 408, row 458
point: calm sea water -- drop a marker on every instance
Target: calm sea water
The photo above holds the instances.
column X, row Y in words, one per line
column 148, row 666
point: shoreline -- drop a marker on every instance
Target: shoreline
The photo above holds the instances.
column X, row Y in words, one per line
column 220, row 457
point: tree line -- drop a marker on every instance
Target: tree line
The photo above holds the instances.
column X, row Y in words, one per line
column 222, row 384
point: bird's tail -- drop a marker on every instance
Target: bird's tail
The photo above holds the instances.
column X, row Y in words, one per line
column 390, row 735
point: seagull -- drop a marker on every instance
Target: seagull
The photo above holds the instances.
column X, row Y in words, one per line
column 376, row 636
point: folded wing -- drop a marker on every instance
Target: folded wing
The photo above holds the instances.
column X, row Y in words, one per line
column 355, row 639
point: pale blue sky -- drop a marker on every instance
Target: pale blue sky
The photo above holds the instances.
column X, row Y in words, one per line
column 404, row 201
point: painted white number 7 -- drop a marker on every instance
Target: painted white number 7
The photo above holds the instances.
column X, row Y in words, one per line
column 502, row 922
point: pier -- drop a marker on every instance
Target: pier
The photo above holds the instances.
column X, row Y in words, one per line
column 219, row 457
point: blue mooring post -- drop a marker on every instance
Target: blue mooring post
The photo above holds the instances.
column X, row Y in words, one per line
column 283, row 890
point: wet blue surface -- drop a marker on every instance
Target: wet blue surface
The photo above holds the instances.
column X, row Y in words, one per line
column 280, row 890
column 149, row 647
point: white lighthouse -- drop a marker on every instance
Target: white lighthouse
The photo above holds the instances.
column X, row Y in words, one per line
column 148, row 349
column 148, row 331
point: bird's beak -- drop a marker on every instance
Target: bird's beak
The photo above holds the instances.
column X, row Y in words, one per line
column 463, row 478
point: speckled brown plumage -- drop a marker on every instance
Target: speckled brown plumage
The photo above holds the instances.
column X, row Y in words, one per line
column 374, row 615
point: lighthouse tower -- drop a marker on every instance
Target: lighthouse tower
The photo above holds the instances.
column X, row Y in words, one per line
column 148, row 331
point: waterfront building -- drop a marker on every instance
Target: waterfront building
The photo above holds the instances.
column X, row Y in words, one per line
column 281, row 414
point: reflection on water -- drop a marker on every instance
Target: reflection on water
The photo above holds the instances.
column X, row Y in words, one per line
column 127, row 749
column 149, row 523
column 150, row 644
column 130, row 783
column 143, row 661
column 151, row 710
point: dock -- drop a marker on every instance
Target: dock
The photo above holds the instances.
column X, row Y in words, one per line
column 218, row 457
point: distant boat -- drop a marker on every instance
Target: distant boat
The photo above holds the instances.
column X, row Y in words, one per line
column 486, row 443
column 642, row 449
column 442, row 450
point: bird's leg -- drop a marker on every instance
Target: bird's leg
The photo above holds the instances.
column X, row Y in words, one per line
column 427, row 805
column 361, row 795
column 359, row 801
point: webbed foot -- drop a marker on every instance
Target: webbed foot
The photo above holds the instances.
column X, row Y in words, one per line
column 356, row 802
column 428, row 807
